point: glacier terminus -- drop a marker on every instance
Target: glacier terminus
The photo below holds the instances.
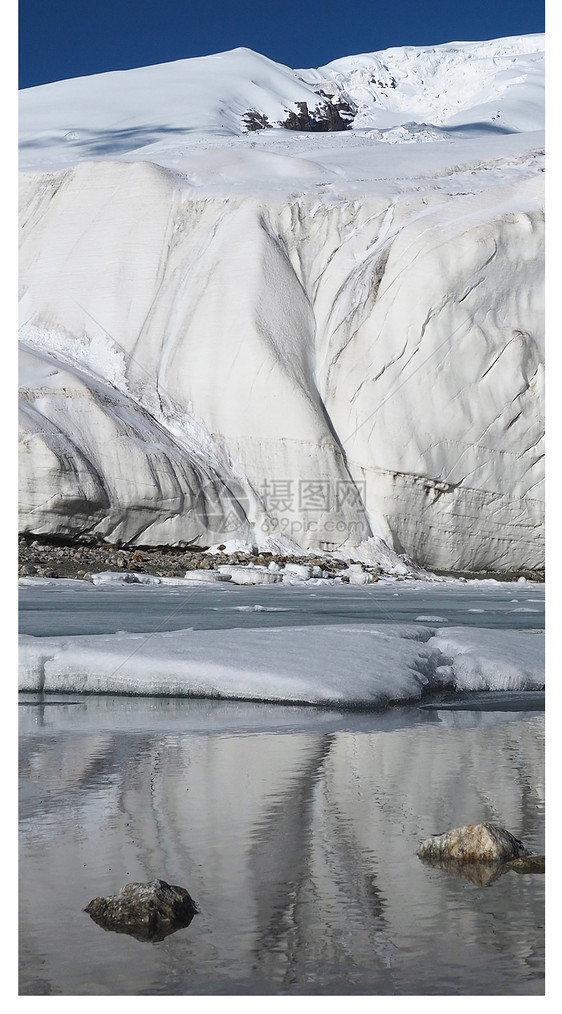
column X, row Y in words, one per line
column 325, row 338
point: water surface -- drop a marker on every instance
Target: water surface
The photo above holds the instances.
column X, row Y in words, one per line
column 295, row 829
column 77, row 607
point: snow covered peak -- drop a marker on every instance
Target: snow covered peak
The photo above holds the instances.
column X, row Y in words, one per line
column 471, row 87
column 121, row 111
column 498, row 84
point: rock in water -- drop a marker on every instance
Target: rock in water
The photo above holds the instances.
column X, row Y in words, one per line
column 528, row 864
column 484, row 843
column 146, row 911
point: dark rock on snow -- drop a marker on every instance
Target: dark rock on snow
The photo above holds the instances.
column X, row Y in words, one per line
column 328, row 115
column 254, row 120
column 325, row 117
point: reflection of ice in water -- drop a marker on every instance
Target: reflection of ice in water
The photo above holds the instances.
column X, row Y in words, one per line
column 299, row 846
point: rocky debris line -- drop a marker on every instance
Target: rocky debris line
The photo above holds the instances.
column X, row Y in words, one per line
column 327, row 116
column 145, row 911
column 39, row 557
column 536, row 576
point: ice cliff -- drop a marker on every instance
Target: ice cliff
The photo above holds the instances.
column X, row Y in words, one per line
column 330, row 338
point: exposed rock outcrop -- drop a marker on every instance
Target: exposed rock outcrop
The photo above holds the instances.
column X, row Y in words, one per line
column 328, row 115
column 325, row 117
column 253, row 120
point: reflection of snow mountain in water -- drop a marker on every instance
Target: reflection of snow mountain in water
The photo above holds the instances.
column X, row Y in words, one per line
column 299, row 845
column 320, row 336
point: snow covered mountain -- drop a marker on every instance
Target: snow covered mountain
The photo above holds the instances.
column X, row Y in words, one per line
column 318, row 338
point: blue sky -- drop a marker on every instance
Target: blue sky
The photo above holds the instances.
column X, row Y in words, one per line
column 70, row 38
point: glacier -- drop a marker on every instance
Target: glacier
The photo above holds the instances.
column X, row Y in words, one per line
column 334, row 339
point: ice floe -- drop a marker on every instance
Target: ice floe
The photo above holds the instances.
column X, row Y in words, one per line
column 361, row 665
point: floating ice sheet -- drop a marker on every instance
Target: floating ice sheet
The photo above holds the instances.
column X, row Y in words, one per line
column 361, row 665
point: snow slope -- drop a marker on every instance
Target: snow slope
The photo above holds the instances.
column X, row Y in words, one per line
column 328, row 337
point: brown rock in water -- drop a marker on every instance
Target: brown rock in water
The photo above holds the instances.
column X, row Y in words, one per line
column 527, row 864
column 145, row 911
column 484, row 843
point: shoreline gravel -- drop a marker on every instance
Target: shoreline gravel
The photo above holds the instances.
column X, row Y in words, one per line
column 39, row 556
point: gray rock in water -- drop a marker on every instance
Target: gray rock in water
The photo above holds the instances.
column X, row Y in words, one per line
column 146, row 911
column 483, row 843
